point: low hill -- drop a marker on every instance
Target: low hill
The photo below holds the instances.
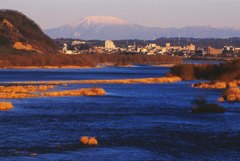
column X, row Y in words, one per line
column 19, row 34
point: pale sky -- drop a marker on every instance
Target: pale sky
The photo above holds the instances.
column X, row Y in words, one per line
column 155, row 13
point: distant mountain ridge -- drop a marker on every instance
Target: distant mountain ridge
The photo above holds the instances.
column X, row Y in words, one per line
column 107, row 27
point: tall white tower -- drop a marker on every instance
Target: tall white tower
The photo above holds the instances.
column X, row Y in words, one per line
column 65, row 48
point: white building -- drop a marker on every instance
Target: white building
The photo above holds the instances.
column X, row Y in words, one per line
column 110, row 45
column 76, row 42
column 168, row 46
column 237, row 49
column 65, row 48
column 151, row 46
column 69, row 52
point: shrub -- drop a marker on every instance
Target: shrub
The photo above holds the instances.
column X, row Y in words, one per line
column 209, row 108
column 92, row 141
column 84, row 139
column 211, row 85
column 201, row 105
column 232, row 94
column 185, row 71
column 4, row 106
column 88, row 140
column 221, row 99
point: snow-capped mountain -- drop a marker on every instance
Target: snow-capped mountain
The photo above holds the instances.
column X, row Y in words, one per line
column 98, row 20
column 107, row 27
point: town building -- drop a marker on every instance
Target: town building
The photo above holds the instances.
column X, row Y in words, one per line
column 191, row 47
column 76, row 42
column 228, row 50
column 200, row 52
column 237, row 50
column 213, row 51
column 109, row 45
column 65, row 48
column 168, row 45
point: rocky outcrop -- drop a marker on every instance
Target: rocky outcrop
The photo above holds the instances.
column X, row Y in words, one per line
column 9, row 33
column 23, row 46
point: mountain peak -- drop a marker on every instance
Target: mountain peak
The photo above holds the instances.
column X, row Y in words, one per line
column 103, row 20
column 112, row 28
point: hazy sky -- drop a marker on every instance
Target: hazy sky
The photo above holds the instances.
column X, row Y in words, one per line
column 160, row 13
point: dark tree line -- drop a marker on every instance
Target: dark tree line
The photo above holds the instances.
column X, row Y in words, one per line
column 226, row 71
column 83, row 59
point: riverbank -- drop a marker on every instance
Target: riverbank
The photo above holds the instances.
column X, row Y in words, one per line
column 112, row 81
column 165, row 65
column 5, row 106
column 232, row 94
column 50, row 67
column 231, row 90
column 80, row 67
column 82, row 60
column 216, row 84
column 34, row 91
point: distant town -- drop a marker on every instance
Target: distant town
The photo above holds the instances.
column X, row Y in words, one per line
column 188, row 48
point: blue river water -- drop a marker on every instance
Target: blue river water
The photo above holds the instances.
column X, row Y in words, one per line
column 133, row 122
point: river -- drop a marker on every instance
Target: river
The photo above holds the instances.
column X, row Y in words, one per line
column 132, row 122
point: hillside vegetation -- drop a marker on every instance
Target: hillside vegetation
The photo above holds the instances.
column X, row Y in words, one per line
column 19, row 34
column 229, row 71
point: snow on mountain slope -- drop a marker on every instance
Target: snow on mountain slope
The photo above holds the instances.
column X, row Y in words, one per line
column 108, row 27
column 96, row 20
